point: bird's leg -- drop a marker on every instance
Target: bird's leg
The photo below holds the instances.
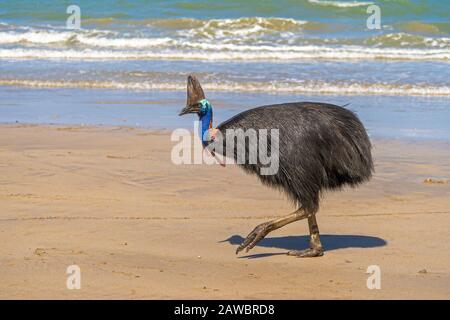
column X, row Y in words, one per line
column 264, row 228
column 315, row 246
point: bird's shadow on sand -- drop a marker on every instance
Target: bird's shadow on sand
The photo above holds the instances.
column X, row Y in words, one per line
column 329, row 242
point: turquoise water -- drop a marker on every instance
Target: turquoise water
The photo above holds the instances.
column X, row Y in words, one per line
column 38, row 11
column 246, row 53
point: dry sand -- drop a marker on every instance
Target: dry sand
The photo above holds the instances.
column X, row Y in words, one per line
column 110, row 201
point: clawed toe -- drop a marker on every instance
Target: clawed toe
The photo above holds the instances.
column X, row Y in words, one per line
column 254, row 237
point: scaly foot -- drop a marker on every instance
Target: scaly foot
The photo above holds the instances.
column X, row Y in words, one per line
column 307, row 253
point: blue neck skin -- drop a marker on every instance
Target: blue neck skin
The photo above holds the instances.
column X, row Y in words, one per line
column 206, row 117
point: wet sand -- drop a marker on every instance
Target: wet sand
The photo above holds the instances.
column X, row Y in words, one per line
column 110, row 200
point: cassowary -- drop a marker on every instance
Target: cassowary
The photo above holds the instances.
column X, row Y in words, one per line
column 321, row 147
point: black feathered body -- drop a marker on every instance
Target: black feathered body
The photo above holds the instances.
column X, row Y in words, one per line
column 321, row 147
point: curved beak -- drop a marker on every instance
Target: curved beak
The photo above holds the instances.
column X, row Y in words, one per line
column 189, row 109
column 184, row 111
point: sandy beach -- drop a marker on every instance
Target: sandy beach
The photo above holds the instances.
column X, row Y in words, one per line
column 110, row 200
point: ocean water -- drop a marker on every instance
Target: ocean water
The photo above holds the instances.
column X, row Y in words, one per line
column 129, row 61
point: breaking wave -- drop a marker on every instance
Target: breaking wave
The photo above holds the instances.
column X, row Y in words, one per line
column 252, row 38
column 341, row 4
column 276, row 87
column 231, row 52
